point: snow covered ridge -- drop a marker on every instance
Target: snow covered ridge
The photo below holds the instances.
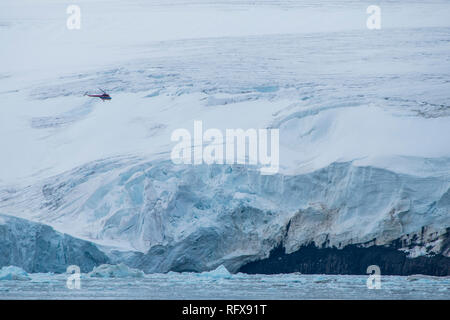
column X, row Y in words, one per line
column 195, row 218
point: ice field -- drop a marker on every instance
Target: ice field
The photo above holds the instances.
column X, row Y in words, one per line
column 218, row 285
column 364, row 120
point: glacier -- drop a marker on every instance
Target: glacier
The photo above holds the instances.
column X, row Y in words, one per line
column 36, row 247
column 195, row 218
column 13, row 273
column 363, row 118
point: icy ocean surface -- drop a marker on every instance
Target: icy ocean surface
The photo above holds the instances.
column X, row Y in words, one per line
column 219, row 286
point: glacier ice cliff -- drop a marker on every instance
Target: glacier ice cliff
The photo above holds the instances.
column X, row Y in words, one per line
column 37, row 247
column 160, row 217
column 13, row 273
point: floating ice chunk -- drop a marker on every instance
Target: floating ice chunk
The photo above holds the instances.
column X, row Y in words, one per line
column 323, row 279
column 424, row 277
column 115, row 271
column 219, row 273
column 13, row 273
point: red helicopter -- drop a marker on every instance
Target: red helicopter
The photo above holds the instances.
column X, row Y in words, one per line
column 104, row 96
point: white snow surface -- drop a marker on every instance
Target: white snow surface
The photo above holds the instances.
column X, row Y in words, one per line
column 363, row 118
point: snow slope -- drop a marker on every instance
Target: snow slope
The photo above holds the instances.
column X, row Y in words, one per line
column 363, row 118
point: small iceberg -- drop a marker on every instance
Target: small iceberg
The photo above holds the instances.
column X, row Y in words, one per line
column 324, row 279
column 415, row 277
column 13, row 273
column 219, row 273
column 115, row 271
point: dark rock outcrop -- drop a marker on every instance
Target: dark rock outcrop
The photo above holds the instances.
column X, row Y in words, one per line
column 352, row 259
